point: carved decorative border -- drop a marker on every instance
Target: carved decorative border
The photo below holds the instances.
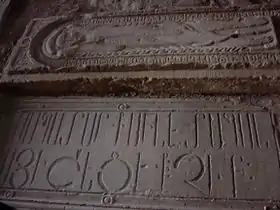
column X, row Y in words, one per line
column 107, row 201
column 183, row 59
column 117, row 104
column 196, row 9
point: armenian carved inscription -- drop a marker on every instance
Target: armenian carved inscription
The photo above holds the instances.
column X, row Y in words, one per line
column 216, row 40
column 218, row 154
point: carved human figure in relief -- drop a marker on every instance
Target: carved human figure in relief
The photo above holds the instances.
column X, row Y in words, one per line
column 251, row 33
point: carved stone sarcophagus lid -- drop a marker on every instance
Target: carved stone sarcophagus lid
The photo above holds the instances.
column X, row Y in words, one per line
column 199, row 38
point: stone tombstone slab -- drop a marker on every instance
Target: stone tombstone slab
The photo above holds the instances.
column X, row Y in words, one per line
column 144, row 154
column 211, row 38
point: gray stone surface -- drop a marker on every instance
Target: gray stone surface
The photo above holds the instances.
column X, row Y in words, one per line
column 114, row 6
column 186, row 45
column 78, row 153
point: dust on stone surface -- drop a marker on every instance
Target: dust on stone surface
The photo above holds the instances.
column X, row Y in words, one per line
column 23, row 11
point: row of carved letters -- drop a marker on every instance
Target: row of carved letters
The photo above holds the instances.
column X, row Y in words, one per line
column 133, row 129
column 27, row 162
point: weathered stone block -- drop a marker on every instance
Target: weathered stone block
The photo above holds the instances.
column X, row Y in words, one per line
column 212, row 41
column 144, row 153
